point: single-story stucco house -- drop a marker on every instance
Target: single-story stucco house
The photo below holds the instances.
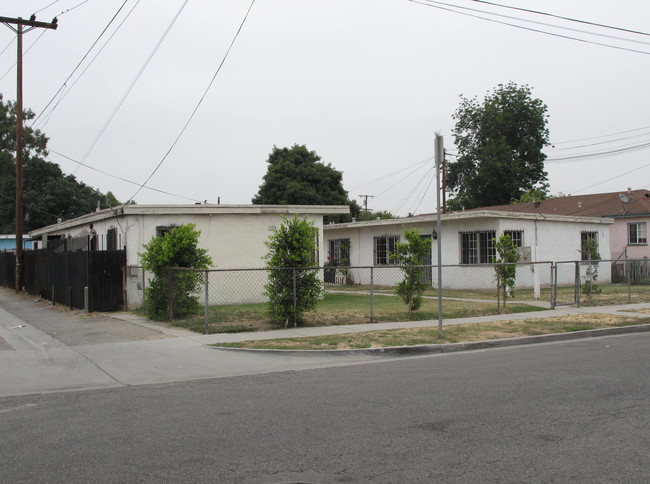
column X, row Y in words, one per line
column 234, row 235
column 467, row 243
column 629, row 209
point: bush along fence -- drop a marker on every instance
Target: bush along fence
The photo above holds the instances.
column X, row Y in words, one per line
column 229, row 300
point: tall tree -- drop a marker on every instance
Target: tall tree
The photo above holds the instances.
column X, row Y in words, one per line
column 296, row 176
column 48, row 194
column 500, row 144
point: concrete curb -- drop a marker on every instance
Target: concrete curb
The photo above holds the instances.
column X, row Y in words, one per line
column 452, row 347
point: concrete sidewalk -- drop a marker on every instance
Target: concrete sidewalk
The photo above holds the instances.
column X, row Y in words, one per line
column 45, row 348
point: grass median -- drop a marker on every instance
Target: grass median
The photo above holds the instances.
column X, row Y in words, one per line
column 460, row 333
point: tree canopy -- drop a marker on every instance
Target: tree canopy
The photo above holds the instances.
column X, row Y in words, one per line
column 48, row 193
column 500, row 144
column 296, row 176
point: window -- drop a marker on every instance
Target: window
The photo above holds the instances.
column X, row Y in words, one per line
column 161, row 230
column 477, row 247
column 339, row 251
column 637, row 233
column 111, row 239
column 517, row 237
column 586, row 239
column 384, row 246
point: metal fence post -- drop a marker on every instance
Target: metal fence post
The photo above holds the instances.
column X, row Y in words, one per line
column 372, row 296
column 295, row 300
column 207, row 305
column 86, row 302
column 629, row 278
column 577, row 284
column 170, row 295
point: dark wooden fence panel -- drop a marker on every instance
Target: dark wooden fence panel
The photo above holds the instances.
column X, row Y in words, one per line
column 68, row 273
column 105, row 280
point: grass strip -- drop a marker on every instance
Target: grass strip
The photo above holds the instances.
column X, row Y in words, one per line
column 459, row 333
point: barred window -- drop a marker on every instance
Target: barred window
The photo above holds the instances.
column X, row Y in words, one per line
column 339, row 251
column 517, row 237
column 477, row 247
column 384, row 246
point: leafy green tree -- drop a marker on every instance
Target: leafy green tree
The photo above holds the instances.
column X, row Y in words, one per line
column 505, row 267
column 410, row 256
column 379, row 214
column 48, row 194
column 293, row 285
column 500, row 144
column 296, row 176
column 534, row 195
column 178, row 248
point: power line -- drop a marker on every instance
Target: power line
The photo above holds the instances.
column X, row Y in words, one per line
column 196, row 108
column 569, row 19
column 601, row 136
column 384, row 177
column 600, row 154
column 438, row 5
column 610, row 179
column 80, row 62
column 132, row 85
column 120, row 178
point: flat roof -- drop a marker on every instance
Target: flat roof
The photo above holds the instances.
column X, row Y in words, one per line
column 475, row 214
column 194, row 209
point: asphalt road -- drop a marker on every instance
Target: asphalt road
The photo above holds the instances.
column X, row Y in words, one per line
column 565, row 412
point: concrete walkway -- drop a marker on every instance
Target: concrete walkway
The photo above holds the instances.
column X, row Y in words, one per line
column 51, row 349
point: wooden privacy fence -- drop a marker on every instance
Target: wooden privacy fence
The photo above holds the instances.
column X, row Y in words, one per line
column 65, row 277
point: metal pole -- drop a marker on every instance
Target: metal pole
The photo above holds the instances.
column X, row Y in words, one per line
column 207, row 305
column 372, row 296
column 439, row 155
column 629, row 278
column 295, row 301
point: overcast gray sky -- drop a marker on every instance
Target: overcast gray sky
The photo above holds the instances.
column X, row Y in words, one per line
column 364, row 83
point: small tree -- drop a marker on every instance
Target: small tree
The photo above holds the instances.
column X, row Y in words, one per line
column 293, row 288
column 410, row 255
column 505, row 268
column 591, row 256
column 177, row 248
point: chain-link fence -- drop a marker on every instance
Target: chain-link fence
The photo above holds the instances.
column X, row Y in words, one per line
column 231, row 300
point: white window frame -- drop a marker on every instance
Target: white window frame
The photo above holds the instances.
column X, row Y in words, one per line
column 640, row 236
column 389, row 246
column 477, row 247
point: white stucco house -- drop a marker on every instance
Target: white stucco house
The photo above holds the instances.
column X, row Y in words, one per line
column 466, row 240
column 234, row 235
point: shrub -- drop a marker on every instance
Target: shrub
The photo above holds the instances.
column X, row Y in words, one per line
column 177, row 248
column 292, row 252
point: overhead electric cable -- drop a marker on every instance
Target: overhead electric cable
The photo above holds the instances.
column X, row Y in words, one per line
column 196, row 108
column 72, row 8
column 25, row 53
column 46, row 6
column 599, row 154
column 80, row 62
column 384, row 177
column 122, row 179
column 569, row 19
column 90, row 63
column 132, row 85
column 611, row 178
column 437, row 5
column 602, row 136
column 616, row 140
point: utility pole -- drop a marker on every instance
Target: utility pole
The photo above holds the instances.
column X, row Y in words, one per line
column 439, row 151
column 31, row 24
column 365, row 201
